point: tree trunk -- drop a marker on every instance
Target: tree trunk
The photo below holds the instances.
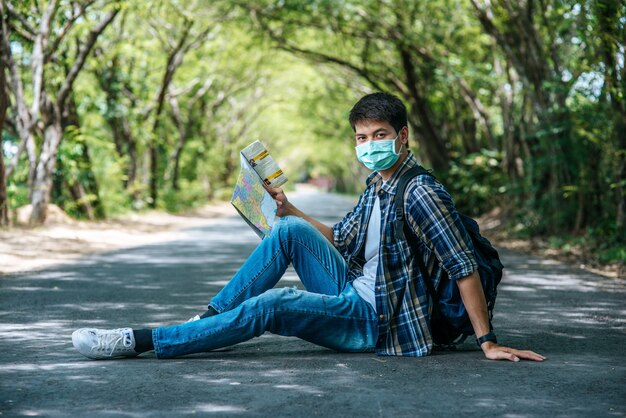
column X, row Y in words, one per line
column 124, row 136
column 84, row 190
column 183, row 130
column 509, row 142
column 4, row 202
column 23, row 116
column 81, row 197
column 51, row 112
column 109, row 79
column 608, row 21
column 434, row 146
column 42, row 184
column 176, row 157
column 174, row 60
column 479, row 111
column 465, row 126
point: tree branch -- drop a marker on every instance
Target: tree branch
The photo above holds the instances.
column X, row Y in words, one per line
column 175, row 92
column 321, row 57
column 23, row 33
column 22, row 117
column 26, row 27
column 174, row 59
column 37, row 58
column 82, row 56
column 198, row 39
column 66, row 28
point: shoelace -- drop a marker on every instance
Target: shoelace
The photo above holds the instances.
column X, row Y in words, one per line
column 108, row 341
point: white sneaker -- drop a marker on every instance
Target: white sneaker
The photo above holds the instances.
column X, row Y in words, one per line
column 105, row 343
column 195, row 318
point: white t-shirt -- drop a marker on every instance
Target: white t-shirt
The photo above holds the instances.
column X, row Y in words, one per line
column 364, row 285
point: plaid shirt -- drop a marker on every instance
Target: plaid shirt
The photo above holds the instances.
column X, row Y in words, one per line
column 402, row 303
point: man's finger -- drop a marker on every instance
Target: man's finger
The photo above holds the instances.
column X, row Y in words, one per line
column 529, row 355
column 271, row 190
column 506, row 355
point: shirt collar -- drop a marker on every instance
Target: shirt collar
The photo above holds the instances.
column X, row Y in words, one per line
column 389, row 186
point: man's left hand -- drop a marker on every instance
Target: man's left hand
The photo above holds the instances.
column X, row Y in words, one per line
column 494, row 351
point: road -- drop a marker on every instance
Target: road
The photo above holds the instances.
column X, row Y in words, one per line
column 573, row 317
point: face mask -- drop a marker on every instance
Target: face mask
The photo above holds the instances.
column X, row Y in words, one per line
column 378, row 155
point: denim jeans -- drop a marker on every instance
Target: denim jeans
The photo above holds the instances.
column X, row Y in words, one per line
column 329, row 313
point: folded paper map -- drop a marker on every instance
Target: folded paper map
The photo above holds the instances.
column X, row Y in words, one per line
column 250, row 199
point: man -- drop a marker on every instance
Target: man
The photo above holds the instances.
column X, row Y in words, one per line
column 363, row 290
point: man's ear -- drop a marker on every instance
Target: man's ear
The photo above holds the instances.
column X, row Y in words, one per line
column 404, row 135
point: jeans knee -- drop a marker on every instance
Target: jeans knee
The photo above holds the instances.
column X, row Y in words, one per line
column 291, row 227
column 277, row 298
column 274, row 300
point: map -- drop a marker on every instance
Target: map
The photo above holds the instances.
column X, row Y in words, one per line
column 252, row 201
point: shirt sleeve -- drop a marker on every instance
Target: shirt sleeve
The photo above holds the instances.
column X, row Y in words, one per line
column 432, row 215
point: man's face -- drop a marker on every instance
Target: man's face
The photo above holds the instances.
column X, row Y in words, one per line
column 373, row 130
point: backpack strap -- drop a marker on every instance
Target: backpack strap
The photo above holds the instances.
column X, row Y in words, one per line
column 405, row 178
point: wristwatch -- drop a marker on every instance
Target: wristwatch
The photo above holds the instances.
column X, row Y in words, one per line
column 491, row 336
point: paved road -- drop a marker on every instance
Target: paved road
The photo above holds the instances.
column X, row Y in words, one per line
column 576, row 319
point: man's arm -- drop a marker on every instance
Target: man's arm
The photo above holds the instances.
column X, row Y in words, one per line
column 474, row 300
column 285, row 208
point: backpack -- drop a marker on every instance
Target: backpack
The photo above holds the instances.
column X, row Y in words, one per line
column 450, row 323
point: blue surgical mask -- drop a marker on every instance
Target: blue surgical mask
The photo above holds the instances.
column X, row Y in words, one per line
column 378, row 155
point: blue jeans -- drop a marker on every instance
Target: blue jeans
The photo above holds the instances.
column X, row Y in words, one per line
column 329, row 313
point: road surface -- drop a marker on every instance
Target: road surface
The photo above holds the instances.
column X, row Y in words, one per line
column 575, row 318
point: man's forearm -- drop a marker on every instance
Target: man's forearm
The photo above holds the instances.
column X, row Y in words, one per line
column 474, row 301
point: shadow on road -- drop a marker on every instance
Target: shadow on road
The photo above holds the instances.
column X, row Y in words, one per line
column 573, row 317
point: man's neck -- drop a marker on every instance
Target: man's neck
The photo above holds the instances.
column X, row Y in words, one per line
column 386, row 174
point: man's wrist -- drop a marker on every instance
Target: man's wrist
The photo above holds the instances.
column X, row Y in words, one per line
column 298, row 213
column 489, row 337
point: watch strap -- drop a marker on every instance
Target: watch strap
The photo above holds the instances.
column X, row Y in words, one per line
column 491, row 336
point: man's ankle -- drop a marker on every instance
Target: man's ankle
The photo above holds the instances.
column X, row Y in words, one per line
column 210, row 312
column 143, row 340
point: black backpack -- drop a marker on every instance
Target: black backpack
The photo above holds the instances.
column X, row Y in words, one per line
column 450, row 323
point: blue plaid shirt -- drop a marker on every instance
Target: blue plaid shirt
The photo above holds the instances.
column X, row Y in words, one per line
column 402, row 302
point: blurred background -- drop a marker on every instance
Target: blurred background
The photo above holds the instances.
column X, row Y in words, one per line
column 109, row 107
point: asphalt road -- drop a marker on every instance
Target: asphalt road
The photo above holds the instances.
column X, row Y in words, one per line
column 573, row 317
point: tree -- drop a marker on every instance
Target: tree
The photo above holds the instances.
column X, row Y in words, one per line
column 4, row 202
column 49, row 99
column 550, row 47
column 115, row 83
column 612, row 33
column 534, row 54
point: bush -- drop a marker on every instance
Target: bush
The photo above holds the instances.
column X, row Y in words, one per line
column 476, row 182
column 189, row 195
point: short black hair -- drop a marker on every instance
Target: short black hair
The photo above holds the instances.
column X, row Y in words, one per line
column 380, row 107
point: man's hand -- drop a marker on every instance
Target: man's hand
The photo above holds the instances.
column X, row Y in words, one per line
column 283, row 206
column 474, row 300
column 495, row 352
